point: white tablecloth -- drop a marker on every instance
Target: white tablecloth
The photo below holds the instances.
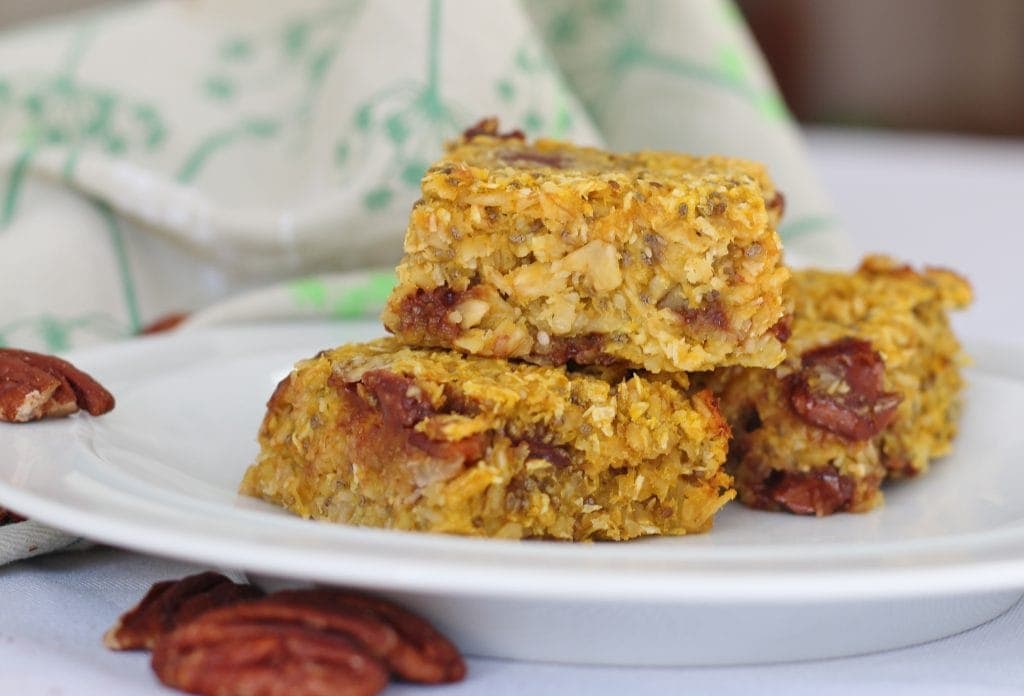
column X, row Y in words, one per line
column 935, row 200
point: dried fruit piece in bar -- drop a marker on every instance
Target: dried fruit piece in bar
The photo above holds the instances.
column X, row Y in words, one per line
column 870, row 390
column 554, row 253
column 385, row 435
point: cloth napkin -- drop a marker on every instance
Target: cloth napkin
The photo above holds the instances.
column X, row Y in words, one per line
column 169, row 156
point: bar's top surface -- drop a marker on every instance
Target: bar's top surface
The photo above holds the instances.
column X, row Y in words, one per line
column 509, row 160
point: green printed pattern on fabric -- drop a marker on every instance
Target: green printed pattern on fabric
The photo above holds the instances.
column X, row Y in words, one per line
column 13, row 189
column 255, row 129
column 410, row 119
column 58, row 333
column 258, row 100
column 123, row 265
column 729, row 73
column 353, row 301
column 810, row 224
column 61, row 111
column 299, row 50
column 522, row 89
column 599, row 71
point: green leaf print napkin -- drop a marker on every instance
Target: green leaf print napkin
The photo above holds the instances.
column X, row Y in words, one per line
column 162, row 156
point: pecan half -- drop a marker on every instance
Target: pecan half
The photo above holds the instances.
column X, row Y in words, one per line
column 422, row 654
column 252, row 658
column 34, row 386
column 167, row 322
column 172, row 603
column 839, row 387
column 410, row 646
column 8, row 517
column 313, row 641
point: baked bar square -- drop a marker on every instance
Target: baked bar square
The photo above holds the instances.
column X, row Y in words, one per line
column 871, row 390
column 383, row 435
column 554, row 254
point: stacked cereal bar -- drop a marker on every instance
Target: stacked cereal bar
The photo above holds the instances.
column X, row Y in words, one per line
column 596, row 268
column 385, row 435
column 552, row 253
column 870, row 390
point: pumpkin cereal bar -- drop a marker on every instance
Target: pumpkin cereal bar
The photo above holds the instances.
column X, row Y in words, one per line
column 554, row 253
column 870, row 390
column 383, row 435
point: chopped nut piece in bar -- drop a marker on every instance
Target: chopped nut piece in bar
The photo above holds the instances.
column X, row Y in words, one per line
column 870, row 390
column 384, row 435
column 553, row 253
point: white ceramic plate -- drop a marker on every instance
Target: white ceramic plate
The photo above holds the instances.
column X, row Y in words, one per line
column 159, row 474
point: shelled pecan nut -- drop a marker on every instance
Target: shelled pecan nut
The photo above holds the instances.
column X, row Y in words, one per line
column 8, row 517
column 162, row 324
column 309, row 641
column 420, row 653
column 212, row 636
column 172, row 603
column 34, row 386
column 235, row 655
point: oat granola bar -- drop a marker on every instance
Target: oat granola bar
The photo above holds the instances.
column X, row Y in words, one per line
column 553, row 254
column 384, row 435
column 870, row 390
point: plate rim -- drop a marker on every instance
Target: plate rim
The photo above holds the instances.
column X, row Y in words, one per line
column 638, row 584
